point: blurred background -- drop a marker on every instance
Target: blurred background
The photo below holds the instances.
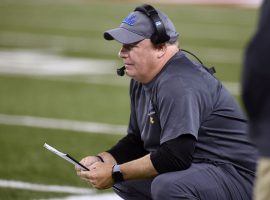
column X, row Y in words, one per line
column 58, row 83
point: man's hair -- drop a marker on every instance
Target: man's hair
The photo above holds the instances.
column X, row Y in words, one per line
column 168, row 43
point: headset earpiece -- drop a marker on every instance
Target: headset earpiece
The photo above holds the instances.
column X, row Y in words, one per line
column 160, row 35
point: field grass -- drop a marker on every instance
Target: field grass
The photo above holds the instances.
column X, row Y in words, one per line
column 25, row 158
column 218, row 35
column 74, row 28
column 63, row 99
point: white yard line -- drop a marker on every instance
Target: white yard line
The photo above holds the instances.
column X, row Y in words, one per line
column 80, row 43
column 110, row 196
column 80, row 126
column 44, row 188
column 45, row 64
column 78, row 193
column 71, row 125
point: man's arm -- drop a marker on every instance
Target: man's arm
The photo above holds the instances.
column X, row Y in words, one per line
column 129, row 148
column 173, row 155
column 141, row 168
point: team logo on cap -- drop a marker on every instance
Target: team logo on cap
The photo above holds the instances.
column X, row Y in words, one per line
column 130, row 20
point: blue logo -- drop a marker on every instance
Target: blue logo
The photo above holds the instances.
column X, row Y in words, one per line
column 130, row 20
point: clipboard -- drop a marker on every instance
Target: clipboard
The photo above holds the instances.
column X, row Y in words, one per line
column 65, row 157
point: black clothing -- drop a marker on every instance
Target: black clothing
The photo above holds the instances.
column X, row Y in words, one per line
column 256, row 82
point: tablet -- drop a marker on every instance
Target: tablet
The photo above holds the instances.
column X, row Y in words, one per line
column 66, row 157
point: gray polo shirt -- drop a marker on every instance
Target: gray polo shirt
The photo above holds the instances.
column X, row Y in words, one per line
column 185, row 99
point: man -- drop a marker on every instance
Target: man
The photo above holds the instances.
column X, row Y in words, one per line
column 256, row 97
column 186, row 137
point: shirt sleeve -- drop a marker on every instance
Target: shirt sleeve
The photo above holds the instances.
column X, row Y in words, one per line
column 181, row 106
column 133, row 125
column 174, row 155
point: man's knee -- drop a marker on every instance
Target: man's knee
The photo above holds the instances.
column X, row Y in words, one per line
column 123, row 190
column 139, row 189
column 163, row 187
column 159, row 188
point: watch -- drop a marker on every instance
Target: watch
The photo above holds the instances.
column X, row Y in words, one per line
column 117, row 174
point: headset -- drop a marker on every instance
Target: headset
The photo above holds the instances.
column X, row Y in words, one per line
column 159, row 36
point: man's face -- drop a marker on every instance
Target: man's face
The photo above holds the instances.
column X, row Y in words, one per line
column 139, row 59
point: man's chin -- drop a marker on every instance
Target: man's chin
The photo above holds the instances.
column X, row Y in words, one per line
column 129, row 73
column 132, row 76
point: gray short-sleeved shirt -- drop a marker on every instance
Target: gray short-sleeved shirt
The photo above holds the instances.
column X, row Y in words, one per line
column 185, row 99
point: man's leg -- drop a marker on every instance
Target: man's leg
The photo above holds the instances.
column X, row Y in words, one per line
column 202, row 181
column 134, row 190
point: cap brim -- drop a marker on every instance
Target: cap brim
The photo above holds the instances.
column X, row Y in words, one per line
column 122, row 35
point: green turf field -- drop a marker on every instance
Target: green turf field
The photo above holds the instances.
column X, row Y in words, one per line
column 217, row 35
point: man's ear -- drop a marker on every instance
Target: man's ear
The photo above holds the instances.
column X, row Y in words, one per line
column 161, row 50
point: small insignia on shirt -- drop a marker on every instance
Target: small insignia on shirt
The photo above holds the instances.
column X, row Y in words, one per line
column 152, row 120
column 151, row 111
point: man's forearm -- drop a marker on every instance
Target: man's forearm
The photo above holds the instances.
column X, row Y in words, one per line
column 138, row 169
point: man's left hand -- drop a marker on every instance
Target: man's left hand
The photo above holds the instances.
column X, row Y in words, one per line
column 99, row 176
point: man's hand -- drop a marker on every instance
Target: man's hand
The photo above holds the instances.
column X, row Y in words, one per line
column 99, row 176
column 88, row 161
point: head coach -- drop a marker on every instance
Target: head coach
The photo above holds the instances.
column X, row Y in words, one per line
column 187, row 136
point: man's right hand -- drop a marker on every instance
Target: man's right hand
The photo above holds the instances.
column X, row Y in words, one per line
column 88, row 161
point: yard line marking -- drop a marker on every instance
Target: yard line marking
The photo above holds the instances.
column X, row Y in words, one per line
column 80, row 43
column 44, row 188
column 78, row 193
column 63, row 124
column 108, row 196
column 80, row 126
column 44, row 64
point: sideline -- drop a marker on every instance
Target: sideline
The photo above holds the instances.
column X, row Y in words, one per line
column 63, row 124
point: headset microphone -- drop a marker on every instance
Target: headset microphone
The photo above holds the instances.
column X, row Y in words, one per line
column 121, row 71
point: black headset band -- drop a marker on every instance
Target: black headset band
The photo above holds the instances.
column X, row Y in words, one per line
column 160, row 35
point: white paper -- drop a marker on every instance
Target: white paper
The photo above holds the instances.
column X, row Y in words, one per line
column 62, row 155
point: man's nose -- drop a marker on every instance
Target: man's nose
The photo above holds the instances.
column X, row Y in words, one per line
column 123, row 53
